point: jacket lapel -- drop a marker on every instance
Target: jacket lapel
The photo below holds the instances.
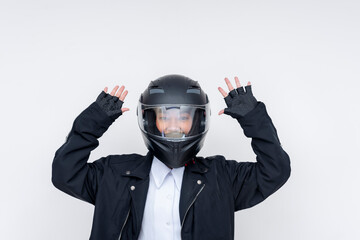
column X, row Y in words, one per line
column 192, row 185
column 138, row 188
column 138, row 196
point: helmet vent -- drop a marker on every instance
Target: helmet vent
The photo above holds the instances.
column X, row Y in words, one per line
column 156, row 90
column 193, row 90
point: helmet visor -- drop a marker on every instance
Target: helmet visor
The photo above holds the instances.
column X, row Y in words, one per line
column 174, row 122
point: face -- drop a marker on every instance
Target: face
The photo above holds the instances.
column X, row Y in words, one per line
column 173, row 122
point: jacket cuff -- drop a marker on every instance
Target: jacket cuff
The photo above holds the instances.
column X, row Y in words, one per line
column 92, row 120
column 96, row 112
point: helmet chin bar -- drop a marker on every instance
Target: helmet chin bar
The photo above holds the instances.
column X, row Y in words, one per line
column 174, row 154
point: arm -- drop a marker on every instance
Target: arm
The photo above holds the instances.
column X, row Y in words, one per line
column 254, row 182
column 71, row 173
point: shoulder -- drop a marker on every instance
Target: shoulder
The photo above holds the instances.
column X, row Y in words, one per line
column 211, row 161
column 220, row 162
column 124, row 158
column 115, row 159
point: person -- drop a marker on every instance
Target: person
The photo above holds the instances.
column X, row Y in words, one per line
column 171, row 193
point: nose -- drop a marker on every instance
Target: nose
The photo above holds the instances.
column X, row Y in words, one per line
column 173, row 124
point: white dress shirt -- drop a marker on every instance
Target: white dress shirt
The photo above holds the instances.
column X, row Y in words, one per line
column 161, row 220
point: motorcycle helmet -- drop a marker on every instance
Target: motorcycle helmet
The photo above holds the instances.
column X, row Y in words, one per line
column 173, row 116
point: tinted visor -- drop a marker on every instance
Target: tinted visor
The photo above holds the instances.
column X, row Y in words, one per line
column 174, row 121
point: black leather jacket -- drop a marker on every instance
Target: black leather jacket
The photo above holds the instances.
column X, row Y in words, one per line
column 213, row 188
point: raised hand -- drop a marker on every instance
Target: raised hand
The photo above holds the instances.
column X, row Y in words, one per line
column 112, row 103
column 239, row 102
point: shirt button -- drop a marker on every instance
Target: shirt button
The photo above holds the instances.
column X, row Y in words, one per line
column 199, row 182
column 168, row 223
column 127, row 172
column 132, row 188
column 169, row 196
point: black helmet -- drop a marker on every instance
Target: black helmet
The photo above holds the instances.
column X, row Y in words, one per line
column 173, row 115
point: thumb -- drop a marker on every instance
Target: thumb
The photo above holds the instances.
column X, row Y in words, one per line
column 227, row 111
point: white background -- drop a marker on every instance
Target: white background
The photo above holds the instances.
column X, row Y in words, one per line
column 302, row 58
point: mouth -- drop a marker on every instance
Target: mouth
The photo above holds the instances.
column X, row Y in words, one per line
column 175, row 135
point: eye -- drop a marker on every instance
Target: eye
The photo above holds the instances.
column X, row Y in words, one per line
column 184, row 118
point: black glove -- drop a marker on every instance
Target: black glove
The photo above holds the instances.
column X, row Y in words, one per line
column 240, row 102
column 110, row 104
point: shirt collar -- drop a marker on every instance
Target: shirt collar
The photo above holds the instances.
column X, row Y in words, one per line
column 178, row 176
column 159, row 172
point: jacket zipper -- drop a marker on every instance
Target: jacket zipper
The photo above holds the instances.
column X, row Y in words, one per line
column 127, row 216
column 191, row 205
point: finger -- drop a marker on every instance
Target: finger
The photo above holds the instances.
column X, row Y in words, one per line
column 248, row 89
column 120, row 91
column 237, row 82
column 105, row 89
column 124, row 95
column 221, row 112
column 240, row 90
column 114, row 90
column 125, row 109
column 222, row 92
column 229, row 84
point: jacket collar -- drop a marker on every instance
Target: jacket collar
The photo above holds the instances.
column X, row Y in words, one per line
column 198, row 166
column 142, row 169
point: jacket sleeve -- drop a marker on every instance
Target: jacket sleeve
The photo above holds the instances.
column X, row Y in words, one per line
column 252, row 182
column 71, row 173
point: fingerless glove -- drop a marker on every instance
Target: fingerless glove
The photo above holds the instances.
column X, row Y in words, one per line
column 110, row 104
column 240, row 102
